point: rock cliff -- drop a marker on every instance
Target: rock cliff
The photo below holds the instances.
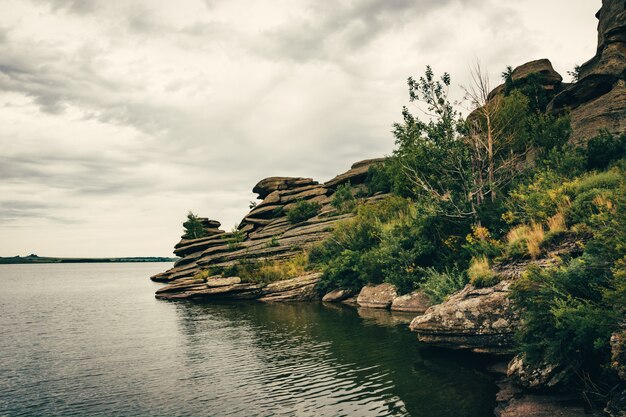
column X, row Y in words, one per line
column 598, row 99
column 265, row 234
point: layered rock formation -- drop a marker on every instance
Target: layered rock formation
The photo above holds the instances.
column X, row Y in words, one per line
column 598, row 99
column 264, row 234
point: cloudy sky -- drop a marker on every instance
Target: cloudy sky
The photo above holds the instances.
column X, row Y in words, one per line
column 119, row 116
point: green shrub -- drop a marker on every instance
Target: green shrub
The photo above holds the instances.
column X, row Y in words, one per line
column 480, row 243
column 378, row 179
column 343, row 271
column 193, row 227
column 303, row 210
column 234, row 239
column 604, row 149
column 438, row 285
column 274, row 242
column 343, row 200
column 387, row 240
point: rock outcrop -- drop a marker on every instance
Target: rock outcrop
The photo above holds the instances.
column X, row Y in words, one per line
column 377, row 296
column 598, row 99
column 264, row 234
column 232, row 288
column 480, row 319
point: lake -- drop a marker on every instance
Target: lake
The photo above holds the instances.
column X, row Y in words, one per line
column 91, row 340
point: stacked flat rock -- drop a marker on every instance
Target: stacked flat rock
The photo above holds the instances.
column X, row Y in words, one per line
column 269, row 236
column 597, row 101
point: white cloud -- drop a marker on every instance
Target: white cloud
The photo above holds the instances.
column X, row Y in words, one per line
column 117, row 117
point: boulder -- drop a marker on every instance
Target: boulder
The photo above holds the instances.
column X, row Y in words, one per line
column 336, row 295
column 377, row 296
column 417, row 302
column 549, row 78
column 269, row 185
column 543, row 67
column 478, row 319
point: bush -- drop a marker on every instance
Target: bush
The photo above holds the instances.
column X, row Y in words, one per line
column 480, row 243
column 274, row 242
column 303, row 210
column 438, row 285
column 234, row 239
column 480, row 273
column 604, row 149
column 343, row 201
column 387, row 240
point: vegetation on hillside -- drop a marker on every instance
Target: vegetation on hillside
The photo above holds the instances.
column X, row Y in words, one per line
column 503, row 184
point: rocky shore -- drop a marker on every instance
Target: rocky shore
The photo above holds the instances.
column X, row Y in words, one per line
column 482, row 320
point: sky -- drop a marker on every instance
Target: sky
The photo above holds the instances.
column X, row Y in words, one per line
column 117, row 117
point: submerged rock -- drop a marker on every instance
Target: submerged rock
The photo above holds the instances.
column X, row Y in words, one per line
column 377, row 296
column 535, row 405
column 479, row 319
column 336, row 296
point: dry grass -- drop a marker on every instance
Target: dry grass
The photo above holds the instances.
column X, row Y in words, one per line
column 534, row 239
column 556, row 223
column 280, row 270
column 480, row 273
column 527, row 237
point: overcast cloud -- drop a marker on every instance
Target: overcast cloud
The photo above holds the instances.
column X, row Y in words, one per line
column 117, row 116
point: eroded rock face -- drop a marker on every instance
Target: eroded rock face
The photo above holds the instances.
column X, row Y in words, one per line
column 267, row 233
column 479, row 319
column 598, row 100
column 377, row 296
column 416, row 302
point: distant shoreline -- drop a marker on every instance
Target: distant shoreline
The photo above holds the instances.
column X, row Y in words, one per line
column 34, row 259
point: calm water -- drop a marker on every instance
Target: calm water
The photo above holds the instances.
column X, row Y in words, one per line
column 90, row 339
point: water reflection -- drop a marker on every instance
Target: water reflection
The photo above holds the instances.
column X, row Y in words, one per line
column 313, row 359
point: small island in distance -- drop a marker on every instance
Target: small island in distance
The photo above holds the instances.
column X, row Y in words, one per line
column 34, row 259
